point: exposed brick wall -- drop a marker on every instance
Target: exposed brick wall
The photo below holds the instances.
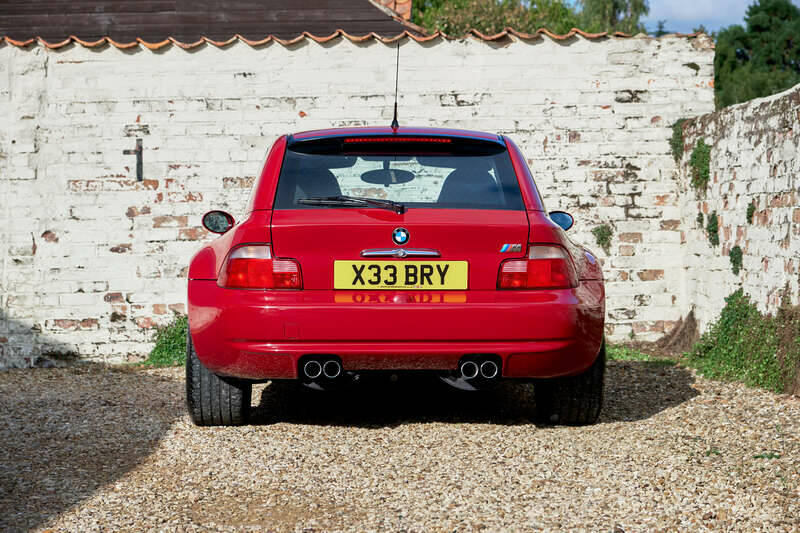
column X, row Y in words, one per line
column 92, row 260
column 754, row 158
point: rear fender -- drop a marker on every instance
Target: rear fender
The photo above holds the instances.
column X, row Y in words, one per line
column 207, row 262
column 545, row 231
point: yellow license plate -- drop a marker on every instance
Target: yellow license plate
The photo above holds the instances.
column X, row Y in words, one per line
column 403, row 275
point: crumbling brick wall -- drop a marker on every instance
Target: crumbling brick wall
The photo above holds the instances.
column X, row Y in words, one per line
column 93, row 260
column 754, row 160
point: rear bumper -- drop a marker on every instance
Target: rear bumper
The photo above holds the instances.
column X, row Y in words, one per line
column 262, row 334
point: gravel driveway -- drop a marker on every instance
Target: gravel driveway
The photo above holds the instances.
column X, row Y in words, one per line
column 89, row 448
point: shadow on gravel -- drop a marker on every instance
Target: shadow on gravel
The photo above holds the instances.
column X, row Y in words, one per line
column 65, row 432
column 634, row 391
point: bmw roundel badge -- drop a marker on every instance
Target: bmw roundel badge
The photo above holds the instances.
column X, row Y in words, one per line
column 400, row 236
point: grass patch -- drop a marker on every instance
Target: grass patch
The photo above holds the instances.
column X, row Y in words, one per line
column 170, row 348
column 700, row 161
column 745, row 345
column 621, row 352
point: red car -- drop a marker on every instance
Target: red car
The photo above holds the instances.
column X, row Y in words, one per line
column 392, row 249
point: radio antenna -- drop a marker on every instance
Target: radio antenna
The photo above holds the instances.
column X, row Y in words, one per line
column 395, row 124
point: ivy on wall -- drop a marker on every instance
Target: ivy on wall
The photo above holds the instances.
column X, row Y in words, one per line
column 712, row 229
column 736, row 259
column 602, row 234
column 700, row 162
column 751, row 210
column 676, row 142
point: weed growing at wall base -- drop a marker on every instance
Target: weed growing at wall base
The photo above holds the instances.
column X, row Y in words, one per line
column 744, row 345
column 620, row 352
column 170, row 348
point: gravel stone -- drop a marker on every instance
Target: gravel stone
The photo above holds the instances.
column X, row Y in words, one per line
column 94, row 448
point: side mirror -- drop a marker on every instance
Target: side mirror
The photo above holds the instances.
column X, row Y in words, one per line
column 563, row 219
column 217, row 221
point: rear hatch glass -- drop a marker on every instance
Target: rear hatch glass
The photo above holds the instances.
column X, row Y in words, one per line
column 433, row 214
column 416, row 172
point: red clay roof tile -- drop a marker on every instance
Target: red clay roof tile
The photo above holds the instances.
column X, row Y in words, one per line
column 508, row 33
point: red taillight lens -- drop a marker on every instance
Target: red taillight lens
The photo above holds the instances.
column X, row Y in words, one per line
column 547, row 267
column 253, row 267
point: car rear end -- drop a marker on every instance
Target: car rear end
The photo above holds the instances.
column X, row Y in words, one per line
column 379, row 250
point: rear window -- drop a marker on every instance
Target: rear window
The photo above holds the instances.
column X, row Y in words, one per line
column 442, row 173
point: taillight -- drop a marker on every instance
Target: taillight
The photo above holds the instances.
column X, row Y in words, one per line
column 547, row 267
column 253, row 267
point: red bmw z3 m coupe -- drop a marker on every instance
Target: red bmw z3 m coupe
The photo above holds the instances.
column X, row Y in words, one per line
column 391, row 249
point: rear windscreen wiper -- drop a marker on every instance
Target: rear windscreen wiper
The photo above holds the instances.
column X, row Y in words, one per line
column 355, row 201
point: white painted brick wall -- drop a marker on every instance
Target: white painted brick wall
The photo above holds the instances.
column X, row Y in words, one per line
column 92, row 259
column 754, row 158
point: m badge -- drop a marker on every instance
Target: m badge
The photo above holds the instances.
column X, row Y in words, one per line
column 508, row 248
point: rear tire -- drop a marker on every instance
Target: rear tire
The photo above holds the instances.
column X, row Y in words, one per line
column 213, row 400
column 574, row 400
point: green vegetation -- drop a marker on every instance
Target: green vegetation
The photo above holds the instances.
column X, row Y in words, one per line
column 170, row 348
column 455, row 17
column 602, row 235
column 676, row 142
column 701, row 165
column 613, row 15
column 767, row 455
column 736, row 259
column 744, row 345
column 700, row 219
column 620, row 352
column 761, row 58
column 751, row 210
column 712, row 229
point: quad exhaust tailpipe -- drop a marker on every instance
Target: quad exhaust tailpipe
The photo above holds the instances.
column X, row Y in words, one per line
column 489, row 369
column 475, row 372
column 332, row 369
column 312, row 369
column 321, row 369
column 469, row 369
column 485, row 368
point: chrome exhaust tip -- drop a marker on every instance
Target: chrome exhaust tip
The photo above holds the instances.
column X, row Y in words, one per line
column 312, row 369
column 469, row 369
column 489, row 369
column 332, row 369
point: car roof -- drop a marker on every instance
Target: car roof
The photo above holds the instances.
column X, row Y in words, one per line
column 388, row 131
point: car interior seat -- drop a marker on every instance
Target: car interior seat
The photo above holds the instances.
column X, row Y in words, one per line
column 311, row 183
column 470, row 185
